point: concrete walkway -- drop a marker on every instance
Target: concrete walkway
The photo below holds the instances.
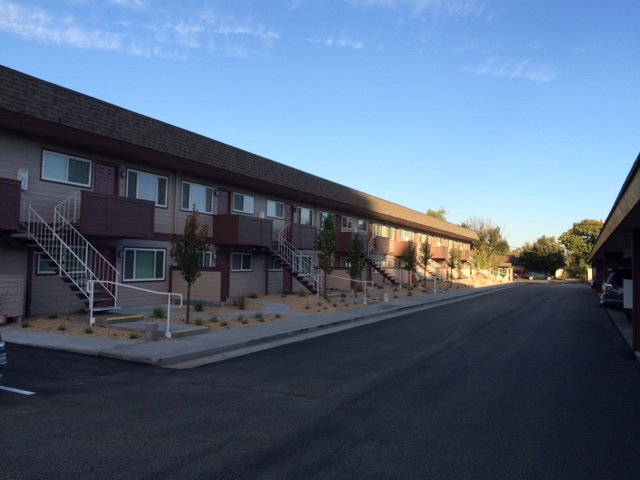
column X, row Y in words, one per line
column 192, row 351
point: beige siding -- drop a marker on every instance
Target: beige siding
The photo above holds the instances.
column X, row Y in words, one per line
column 51, row 296
column 12, row 290
column 206, row 288
column 245, row 283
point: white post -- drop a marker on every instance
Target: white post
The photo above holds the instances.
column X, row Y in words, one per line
column 168, row 332
column 365, row 293
column 92, row 319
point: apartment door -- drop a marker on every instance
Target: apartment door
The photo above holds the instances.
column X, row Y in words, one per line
column 224, row 208
column 224, row 264
column 105, row 179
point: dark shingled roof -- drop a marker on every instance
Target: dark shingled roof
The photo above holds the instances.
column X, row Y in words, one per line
column 31, row 97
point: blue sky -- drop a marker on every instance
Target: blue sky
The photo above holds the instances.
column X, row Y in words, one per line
column 522, row 112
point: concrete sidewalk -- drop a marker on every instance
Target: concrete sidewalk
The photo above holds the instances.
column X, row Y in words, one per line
column 192, row 351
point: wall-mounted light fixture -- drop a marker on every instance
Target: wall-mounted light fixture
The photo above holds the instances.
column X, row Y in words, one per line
column 123, row 174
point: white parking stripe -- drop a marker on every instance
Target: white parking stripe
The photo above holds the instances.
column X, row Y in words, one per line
column 15, row 390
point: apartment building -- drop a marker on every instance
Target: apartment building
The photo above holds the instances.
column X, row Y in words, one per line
column 91, row 191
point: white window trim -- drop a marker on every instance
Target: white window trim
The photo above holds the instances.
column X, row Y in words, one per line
column 298, row 216
column 66, row 180
column 48, row 271
column 134, row 249
column 209, row 211
column 241, row 269
column 349, row 222
column 362, row 223
column 275, row 204
column 166, row 186
column 244, row 207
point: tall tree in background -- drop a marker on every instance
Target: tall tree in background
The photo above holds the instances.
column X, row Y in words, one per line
column 490, row 244
column 356, row 259
column 544, row 255
column 578, row 241
column 326, row 244
column 440, row 214
column 410, row 261
column 186, row 252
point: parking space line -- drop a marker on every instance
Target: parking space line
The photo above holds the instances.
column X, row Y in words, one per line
column 15, row 390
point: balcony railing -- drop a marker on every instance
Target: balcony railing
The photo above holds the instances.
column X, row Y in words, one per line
column 114, row 216
column 303, row 237
column 241, row 230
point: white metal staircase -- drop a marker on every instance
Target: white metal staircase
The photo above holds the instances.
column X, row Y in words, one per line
column 73, row 257
column 299, row 264
column 377, row 261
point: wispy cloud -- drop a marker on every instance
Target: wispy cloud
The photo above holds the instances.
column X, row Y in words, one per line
column 36, row 24
column 519, row 69
column 343, row 42
column 135, row 28
column 435, row 7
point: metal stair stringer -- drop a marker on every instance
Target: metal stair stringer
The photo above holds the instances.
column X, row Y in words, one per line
column 74, row 259
column 376, row 260
column 301, row 267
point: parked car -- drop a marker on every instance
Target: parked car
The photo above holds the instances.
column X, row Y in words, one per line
column 538, row 276
column 612, row 289
column 3, row 357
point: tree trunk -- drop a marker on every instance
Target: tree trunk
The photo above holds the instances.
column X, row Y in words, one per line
column 188, row 302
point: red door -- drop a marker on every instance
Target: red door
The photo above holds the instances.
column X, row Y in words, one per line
column 103, row 295
column 223, row 203
column 104, row 180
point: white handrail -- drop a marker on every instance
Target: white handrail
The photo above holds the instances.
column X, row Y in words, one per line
column 298, row 261
column 169, row 295
column 365, row 282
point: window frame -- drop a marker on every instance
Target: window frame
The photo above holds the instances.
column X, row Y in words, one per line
column 138, row 173
column 242, row 268
column 135, row 250
column 273, row 265
column 67, row 158
column 362, row 226
column 244, row 210
column 208, row 192
column 308, row 219
column 275, row 205
column 39, row 264
column 349, row 224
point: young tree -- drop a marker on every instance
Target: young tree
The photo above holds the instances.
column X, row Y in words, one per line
column 356, row 259
column 411, row 261
column 425, row 258
column 326, row 244
column 455, row 262
column 186, row 252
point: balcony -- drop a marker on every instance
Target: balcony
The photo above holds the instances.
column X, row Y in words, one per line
column 9, row 204
column 344, row 240
column 439, row 252
column 113, row 216
column 240, row 230
column 303, row 237
column 466, row 255
column 386, row 246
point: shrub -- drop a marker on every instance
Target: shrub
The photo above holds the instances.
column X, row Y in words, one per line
column 52, row 317
column 240, row 301
column 158, row 312
column 302, row 293
column 198, row 322
column 213, row 319
column 253, row 295
column 258, row 316
column 62, row 327
column 25, row 325
column 133, row 335
column 88, row 330
column 277, row 315
column 198, row 306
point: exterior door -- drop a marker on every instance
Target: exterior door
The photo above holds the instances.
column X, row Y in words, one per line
column 224, row 208
column 109, row 253
column 105, row 180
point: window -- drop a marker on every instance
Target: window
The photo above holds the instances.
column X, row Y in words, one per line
column 347, row 223
column 142, row 264
column 242, row 203
column 197, row 195
column 275, row 209
column 147, row 186
column 344, row 262
column 362, row 226
column 323, row 216
column 207, row 259
column 304, row 216
column 241, row 262
column 43, row 267
column 273, row 265
column 405, row 234
column 64, row 169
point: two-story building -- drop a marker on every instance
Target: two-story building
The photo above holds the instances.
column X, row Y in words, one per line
column 91, row 191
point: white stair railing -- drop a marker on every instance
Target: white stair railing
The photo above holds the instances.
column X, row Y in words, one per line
column 74, row 256
column 301, row 263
